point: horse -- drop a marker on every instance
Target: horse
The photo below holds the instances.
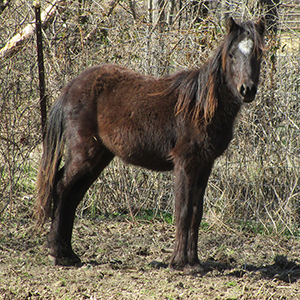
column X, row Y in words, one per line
column 180, row 122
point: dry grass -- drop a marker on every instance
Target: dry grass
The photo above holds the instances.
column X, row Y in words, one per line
column 122, row 260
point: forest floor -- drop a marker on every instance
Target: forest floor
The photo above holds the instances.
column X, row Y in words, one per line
column 128, row 260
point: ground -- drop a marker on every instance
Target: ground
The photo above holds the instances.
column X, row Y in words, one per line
column 128, row 260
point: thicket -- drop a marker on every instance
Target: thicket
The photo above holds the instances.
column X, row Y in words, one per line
column 254, row 185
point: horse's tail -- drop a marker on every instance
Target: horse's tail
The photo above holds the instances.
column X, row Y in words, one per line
column 54, row 142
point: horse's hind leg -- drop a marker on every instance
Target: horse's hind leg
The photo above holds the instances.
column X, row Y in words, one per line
column 79, row 172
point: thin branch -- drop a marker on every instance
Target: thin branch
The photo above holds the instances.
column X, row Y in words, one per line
column 16, row 43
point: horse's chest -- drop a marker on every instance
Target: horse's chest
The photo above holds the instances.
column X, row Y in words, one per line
column 219, row 140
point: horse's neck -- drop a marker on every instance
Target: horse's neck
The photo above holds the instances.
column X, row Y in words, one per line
column 228, row 103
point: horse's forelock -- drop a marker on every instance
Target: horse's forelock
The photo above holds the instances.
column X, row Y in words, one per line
column 258, row 38
column 258, row 41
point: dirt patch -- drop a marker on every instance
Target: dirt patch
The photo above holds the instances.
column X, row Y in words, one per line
column 122, row 260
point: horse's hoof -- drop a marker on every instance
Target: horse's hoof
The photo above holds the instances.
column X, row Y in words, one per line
column 187, row 269
column 176, row 267
column 193, row 269
column 65, row 261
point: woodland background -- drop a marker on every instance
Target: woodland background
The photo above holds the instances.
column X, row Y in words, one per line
column 254, row 185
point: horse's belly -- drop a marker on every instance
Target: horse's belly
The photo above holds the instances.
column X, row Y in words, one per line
column 150, row 151
column 150, row 162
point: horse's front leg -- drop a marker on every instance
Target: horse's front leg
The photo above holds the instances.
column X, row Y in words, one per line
column 183, row 215
column 189, row 189
column 198, row 195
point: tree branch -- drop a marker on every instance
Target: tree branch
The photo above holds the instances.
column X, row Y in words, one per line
column 16, row 43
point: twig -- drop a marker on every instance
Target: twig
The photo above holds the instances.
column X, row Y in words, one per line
column 16, row 43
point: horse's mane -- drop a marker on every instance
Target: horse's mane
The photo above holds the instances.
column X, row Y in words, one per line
column 198, row 89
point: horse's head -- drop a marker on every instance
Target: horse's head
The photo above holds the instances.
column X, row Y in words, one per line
column 241, row 57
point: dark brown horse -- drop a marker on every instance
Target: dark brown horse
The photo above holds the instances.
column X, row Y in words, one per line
column 181, row 122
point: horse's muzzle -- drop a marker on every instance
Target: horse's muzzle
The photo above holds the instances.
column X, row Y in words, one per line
column 248, row 92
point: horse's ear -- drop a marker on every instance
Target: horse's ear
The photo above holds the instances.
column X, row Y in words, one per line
column 231, row 25
column 260, row 26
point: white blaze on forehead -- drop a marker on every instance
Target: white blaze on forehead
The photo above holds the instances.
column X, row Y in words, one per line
column 246, row 46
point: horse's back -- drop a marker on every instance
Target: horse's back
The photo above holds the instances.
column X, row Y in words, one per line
column 127, row 111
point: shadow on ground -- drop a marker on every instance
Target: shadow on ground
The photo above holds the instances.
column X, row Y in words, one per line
column 282, row 269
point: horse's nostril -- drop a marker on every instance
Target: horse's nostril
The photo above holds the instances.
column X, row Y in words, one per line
column 243, row 90
column 246, row 90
